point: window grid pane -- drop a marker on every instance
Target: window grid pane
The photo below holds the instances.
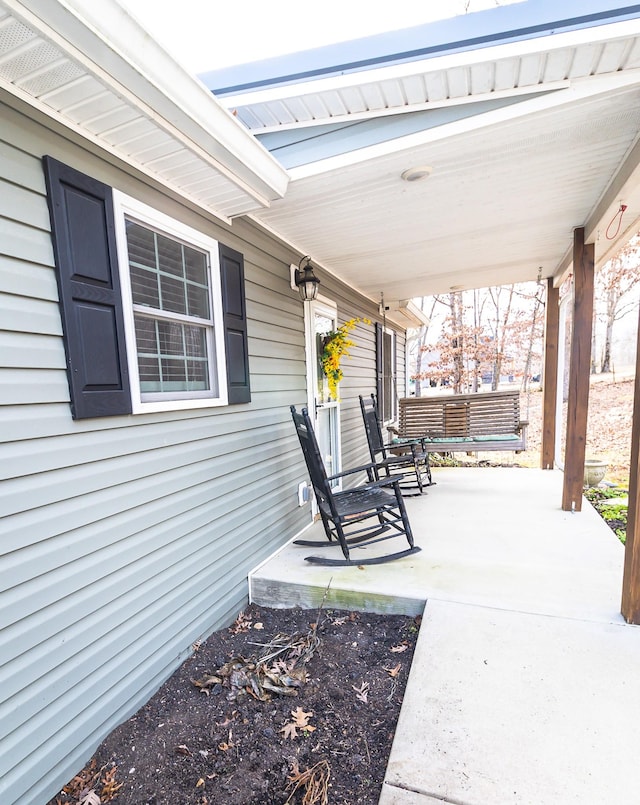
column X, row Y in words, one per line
column 172, row 356
column 166, row 274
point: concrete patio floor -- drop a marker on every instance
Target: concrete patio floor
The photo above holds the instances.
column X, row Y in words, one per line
column 523, row 686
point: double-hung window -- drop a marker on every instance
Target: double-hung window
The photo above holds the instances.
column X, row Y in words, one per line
column 170, row 278
column 153, row 311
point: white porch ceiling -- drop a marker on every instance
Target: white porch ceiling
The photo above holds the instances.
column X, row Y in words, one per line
column 556, row 149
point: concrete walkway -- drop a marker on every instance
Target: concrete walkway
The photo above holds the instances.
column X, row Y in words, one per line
column 523, row 687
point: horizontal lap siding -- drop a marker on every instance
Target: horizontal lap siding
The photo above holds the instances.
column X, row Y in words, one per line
column 124, row 540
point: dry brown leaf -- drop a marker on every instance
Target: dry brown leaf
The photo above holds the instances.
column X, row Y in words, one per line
column 91, row 798
column 300, row 718
column 362, row 692
column 242, row 624
column 289, row 730
column 200, row 783
column 258, row 626
column 182, row 750
column 399, row 649
column 393, row 672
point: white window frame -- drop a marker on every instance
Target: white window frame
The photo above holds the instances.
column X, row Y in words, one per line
column 127, row 207
column 394, row 380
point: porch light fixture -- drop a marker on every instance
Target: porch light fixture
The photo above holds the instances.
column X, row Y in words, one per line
column 306, row 281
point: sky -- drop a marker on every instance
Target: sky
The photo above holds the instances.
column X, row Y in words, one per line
column 207, row 35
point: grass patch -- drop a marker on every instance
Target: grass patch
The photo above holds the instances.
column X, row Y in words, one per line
column 614, row 514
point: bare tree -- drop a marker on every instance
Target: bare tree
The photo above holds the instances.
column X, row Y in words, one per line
column 421, row 341
column 499, row 325
column 613, row 284
column 489, row 331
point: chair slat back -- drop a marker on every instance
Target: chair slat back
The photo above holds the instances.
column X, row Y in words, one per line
column 372, row 427
column 312, row 455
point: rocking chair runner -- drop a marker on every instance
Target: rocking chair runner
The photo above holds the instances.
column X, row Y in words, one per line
column 357, row 516
column 412, row 462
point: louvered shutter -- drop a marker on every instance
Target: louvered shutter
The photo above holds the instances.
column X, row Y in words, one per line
column 235, row 325
column 82, row 222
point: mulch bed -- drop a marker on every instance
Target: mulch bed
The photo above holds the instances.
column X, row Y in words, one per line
column 311, row 724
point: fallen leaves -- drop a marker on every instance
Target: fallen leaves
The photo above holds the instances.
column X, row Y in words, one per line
column 393, row 672
column 280, row 669
column 94, row 786
column 399, row 649
column 362, row 692
column 299, row 721
column 242, row 624
column 90, row 799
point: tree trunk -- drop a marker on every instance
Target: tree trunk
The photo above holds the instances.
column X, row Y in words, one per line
column 532, row 332
column 458, row 353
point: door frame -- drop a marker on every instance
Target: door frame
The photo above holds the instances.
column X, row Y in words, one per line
column 323, row 306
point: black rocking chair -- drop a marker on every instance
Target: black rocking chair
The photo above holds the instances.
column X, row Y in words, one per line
column 410, row 459
column 358, row 516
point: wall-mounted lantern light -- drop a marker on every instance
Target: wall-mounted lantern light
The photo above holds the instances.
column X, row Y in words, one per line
column 306, row 281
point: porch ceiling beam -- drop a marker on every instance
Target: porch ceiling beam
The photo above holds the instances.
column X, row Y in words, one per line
column 550, row 376
column 631, row 577
column 578, row 402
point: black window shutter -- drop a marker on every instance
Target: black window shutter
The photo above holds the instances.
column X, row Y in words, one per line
column 235, row 325
column 379, row 370
column 82, row 223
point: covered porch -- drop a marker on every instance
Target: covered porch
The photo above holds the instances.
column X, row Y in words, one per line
column 519, row 687
column 491, row 537
column 495, row 148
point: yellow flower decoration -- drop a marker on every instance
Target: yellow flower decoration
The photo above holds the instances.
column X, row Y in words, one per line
column 336, row 346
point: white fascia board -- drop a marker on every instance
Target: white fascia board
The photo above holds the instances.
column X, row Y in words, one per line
column 469, row 58
column 578, row 89
column 109, row 43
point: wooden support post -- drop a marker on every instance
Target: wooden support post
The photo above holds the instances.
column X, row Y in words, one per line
column 550, row 376
column 631, row 578
column 578, row 402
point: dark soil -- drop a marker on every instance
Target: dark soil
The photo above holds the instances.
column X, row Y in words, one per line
column 227, row 746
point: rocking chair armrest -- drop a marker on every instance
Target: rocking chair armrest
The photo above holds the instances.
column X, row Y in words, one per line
column 391, row 480
column 363, row 468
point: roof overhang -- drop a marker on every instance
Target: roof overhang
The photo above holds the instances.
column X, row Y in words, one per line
column 93, row 69
column 527, row 137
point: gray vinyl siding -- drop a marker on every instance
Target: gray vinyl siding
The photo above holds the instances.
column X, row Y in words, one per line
column 126, row 539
